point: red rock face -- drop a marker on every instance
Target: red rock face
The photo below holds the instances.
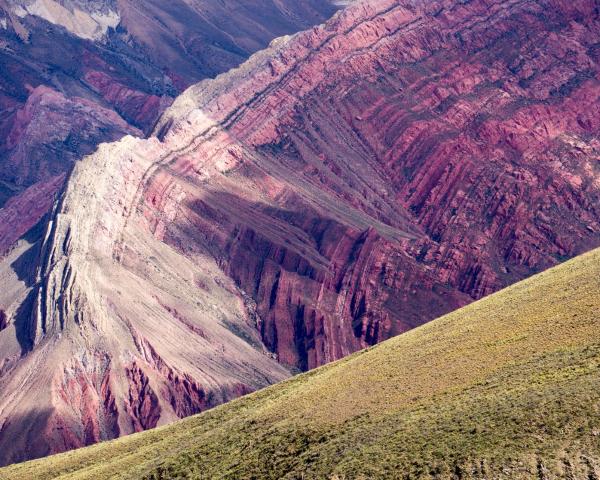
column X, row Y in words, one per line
column 138, row 108
column 395, row 164
column 143, row 402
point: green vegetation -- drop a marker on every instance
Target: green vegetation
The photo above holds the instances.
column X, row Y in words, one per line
column 508, row 387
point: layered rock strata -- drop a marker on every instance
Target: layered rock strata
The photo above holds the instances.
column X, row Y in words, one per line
column 405, row 158
column 74, row 74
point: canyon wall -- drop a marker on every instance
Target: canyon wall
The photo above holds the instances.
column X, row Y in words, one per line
column 74, row 74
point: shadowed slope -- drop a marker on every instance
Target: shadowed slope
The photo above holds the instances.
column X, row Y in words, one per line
column 504, row 388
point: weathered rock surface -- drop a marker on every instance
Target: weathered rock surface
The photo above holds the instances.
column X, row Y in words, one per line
column 341, row 187
column 85, row 367
column 46, row 136
column 76, row 73
column 96, row 347
column 407, row 157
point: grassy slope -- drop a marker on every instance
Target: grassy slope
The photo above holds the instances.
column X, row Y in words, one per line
column 508, row 387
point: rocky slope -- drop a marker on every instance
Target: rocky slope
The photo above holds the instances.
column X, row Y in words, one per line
column 343, row 186
column 403, row 159
column 96, row 347
column 75, row 73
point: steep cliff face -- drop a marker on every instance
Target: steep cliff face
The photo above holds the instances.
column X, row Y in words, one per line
column 76, row 73
column 405, row 158
column 340, row 187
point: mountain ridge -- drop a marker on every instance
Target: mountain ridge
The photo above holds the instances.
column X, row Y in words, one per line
column 61, row 94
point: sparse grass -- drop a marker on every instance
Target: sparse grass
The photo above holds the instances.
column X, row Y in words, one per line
column 508, row 387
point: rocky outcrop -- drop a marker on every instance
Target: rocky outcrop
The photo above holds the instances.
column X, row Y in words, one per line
column 51, row 132
column 47, row 135
column 144, row 409
column 371, row 174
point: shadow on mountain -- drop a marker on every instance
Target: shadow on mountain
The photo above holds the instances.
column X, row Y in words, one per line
column 23, row 430
column 25, row 265
column 305, row 270
column 22, row 321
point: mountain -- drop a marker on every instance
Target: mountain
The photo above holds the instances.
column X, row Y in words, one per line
column 506, row 387
column 74, row 74
column 374, row 173
column 340, row 187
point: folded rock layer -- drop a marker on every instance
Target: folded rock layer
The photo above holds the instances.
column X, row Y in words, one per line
column 74, row 74
column 405, row 158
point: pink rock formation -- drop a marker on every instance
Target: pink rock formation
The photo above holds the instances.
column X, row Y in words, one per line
column 65, row 87
column 403, row 159
column 137, row 107
column 75, row 74
column 23, row 211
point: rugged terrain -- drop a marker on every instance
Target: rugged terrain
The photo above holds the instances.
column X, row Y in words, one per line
column 77, row 73
column 505, row 388
column 74, row 74
column 374, row 173
column 342, row 186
